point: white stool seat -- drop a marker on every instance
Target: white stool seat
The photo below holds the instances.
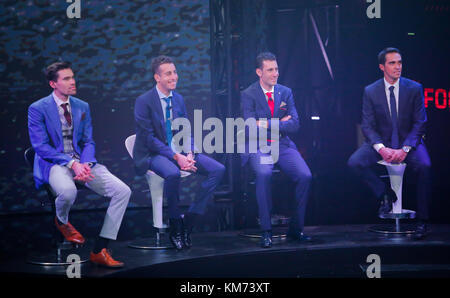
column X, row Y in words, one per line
column 156, row 185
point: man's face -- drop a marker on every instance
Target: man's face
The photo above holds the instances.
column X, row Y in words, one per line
column 268, row 75
column 65, row 83
column 392, row 68
column 166, row 77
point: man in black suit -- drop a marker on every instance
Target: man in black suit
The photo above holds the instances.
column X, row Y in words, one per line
column 154, row 112
column 393, row 122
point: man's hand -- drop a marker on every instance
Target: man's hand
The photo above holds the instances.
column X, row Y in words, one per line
column 262, row 123
column 185, row 163
column 286, row 118
column 387, row 154
column 399, row 156
column 82, row 172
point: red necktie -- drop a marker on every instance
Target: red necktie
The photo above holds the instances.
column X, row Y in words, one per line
column 67, row 114
column 270, row 102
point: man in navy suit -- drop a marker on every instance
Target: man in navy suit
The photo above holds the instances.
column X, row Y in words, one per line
column 265, row 99
column 60, row 132
column 154, row 113
column 393, row 122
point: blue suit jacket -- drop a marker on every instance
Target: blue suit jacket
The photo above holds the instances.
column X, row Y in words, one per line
column 376, row 118
column 254, row 105
column 150, row 128
column 44, row 128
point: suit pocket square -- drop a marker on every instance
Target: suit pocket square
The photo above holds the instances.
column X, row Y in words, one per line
column 83, row 116
column 282, row 104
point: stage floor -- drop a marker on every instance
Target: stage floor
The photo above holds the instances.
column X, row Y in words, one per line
column 337, row 251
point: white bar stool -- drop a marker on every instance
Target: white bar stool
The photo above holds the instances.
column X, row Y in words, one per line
column 396, row 172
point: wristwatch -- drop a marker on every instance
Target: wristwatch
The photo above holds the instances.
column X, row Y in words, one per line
column 406, row 148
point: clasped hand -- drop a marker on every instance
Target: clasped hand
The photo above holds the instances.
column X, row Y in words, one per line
column 82, row 172
column 392, row 155
column 186, row 163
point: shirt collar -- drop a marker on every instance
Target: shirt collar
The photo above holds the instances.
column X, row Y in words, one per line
column 161, row 95
column 387, row 85
column 59, row 101
column 265, row 91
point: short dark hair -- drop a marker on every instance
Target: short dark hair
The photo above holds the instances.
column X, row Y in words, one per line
column 384, row 52
column 264, row 56
column 157, row 61
column 51, row 72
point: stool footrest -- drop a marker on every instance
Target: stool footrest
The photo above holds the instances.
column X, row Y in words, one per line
column 406, row 214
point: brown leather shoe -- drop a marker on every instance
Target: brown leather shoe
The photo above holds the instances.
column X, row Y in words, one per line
column 70, row 233
column 104, row 258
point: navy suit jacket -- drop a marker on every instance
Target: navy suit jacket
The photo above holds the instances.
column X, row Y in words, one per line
column 254, row 105
column 44, row 128
column 376, row 118
column 150, row 128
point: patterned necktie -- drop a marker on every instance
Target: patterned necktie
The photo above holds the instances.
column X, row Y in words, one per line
column 67, row 114
column 394, row 138
column 270, row 102
column 168, row 122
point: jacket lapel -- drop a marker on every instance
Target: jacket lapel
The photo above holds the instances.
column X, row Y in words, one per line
column 55, row 122
column 156, row 103
column 76, row 118
column 381, row 94
column 277, row 100
column 261, row 99
column 401, row 98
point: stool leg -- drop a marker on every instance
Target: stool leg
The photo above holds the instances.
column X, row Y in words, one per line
column 397, row 225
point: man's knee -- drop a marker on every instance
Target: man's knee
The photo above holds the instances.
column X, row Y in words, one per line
column 220, row 170
column 263, row 172
column 68, row 194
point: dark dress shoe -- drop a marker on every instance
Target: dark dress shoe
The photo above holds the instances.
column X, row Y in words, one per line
column 266, row 239
column 175, row 234
column 386, row 202
column 421, row 231
column 188, row 225
column 298, row 236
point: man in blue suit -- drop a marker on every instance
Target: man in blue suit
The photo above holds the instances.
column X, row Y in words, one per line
column 267, row 99
column 154, row 113
column 60, row 132
column 393, row 122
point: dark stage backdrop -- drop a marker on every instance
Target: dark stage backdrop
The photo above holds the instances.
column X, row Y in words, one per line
column 110, row 47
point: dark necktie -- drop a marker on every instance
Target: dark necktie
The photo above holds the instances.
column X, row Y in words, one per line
column 394, row 138
column 270, row 102
column 168, row 122
column 67, row 114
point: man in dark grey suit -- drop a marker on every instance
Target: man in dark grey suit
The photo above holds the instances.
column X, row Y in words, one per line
column 393, row 122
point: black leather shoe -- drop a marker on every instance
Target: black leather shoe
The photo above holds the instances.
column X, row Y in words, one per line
column 266, row 239
column 386, row 202
column 421, row 231
column 175, row 234
column 298, row 236
column 188, row 226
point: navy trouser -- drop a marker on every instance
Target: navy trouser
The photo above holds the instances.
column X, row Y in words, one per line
column 170, row 172
column 417, row 159
column 292, row 164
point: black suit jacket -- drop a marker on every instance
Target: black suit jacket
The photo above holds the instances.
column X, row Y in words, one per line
column 376, row 118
